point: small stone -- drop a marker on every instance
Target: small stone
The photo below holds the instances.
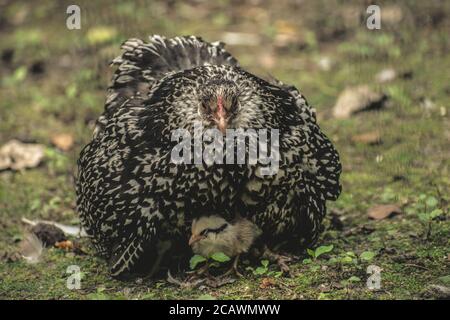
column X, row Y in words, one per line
column 427, row 105
column 386, row 75
column 325, row 63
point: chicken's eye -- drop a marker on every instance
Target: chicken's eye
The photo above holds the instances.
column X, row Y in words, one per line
column 204, row 232
column 233, row 104
column 206, row 103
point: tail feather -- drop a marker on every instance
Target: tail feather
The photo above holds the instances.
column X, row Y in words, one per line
column 142, row 64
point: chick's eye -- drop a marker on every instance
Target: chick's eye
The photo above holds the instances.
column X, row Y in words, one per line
column 204, row 232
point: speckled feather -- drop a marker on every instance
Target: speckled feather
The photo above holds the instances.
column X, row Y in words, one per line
column 130, row 195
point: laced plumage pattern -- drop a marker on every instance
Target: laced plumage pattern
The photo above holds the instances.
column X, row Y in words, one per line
column 131, row 197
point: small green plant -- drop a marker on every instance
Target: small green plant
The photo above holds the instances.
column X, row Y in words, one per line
column 100, row 35
column 323, row 296
column 351, row 280
column 57, row 161
column 314, row 254
column 195, row 260
column 427, row 218
column 345, row 258
column 17, row 77
column 220, row 257
column 428, row 211
column 215, row 260
column 71, row 91
column 388, row 195
column 348, row 257
column 263, row 269
column 367, row 256
column 101, row 294
column 354, row 279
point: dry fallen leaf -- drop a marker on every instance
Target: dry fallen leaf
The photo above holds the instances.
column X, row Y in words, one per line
column 16, row 155
column 284, row 26
column 65, row 245
column 63, row 141
column 370, row 138
column 266, row 283
column 383, row 211
column 357, row 99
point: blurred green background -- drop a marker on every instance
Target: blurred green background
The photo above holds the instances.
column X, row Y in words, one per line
column 53, row 84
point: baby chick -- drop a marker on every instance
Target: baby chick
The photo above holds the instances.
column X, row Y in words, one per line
column 212, row 234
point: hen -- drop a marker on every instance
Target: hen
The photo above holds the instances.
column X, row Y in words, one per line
column 136, row 203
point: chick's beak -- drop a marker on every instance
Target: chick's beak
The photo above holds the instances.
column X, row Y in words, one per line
column 195, row 238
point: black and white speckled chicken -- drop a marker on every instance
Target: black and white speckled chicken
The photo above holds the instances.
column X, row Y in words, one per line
column 135, row 202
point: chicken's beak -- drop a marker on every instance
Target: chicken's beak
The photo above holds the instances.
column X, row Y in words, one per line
column 195, row 238
column 222, row 124
column 221, row 118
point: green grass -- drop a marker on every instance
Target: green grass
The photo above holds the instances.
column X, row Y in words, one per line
column 413, row 159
